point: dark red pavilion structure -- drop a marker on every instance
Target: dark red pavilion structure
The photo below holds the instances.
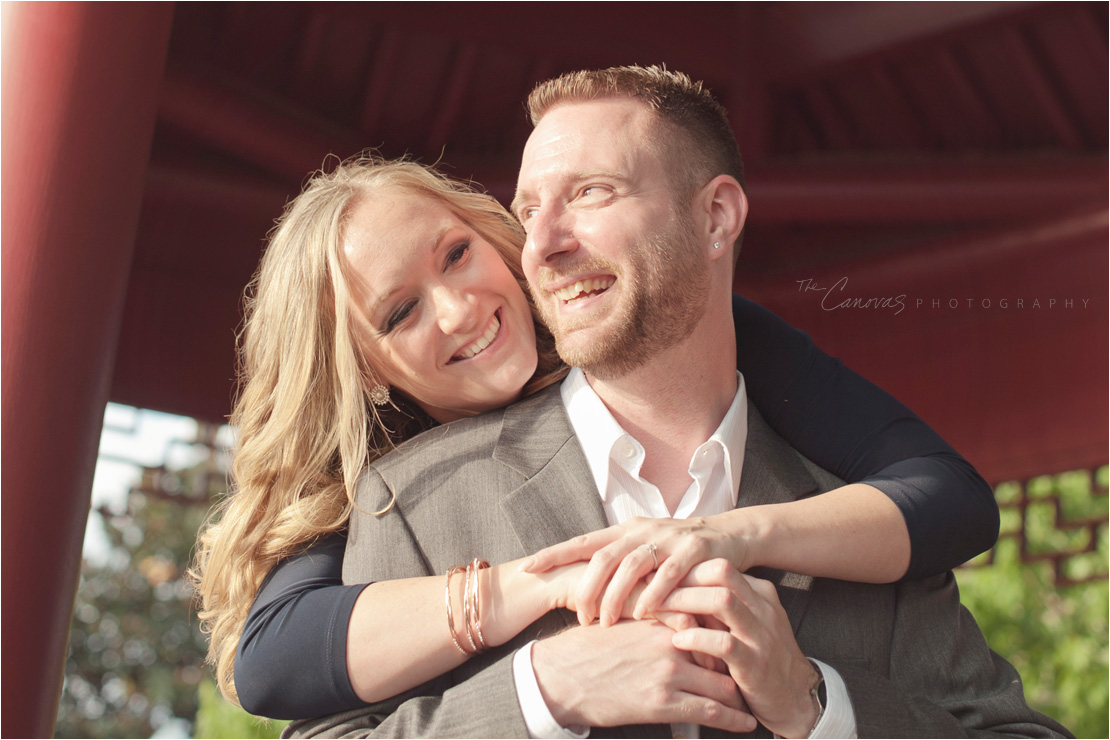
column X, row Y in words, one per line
column 948, row 157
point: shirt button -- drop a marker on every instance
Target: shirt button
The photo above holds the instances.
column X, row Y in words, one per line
column 629, row 451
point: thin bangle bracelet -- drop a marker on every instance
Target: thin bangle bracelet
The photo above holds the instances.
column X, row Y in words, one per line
column 450, row 616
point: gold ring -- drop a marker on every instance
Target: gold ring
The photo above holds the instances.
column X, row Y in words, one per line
column 650, row 547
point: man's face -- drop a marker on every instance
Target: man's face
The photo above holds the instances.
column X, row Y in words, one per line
column 612, row 259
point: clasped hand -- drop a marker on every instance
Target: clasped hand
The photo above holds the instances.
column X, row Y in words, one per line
column 746, row 627
column 618, row 561
column 740, row 626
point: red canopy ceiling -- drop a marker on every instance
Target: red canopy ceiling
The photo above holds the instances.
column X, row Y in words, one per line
column 944, row 151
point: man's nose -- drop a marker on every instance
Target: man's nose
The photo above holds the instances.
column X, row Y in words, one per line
column 550, row 237
column 456, row 309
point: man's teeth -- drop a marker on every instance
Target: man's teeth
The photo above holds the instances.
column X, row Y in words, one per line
column 482, row 341
column 581, row 287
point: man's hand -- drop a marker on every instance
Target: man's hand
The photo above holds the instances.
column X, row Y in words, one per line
column 754, row 640
column 631, row 673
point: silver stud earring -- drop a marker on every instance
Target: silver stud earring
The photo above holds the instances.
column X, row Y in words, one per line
column 379, row 394
column 716, row 245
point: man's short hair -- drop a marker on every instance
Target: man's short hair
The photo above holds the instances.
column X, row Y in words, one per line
column 704, row 145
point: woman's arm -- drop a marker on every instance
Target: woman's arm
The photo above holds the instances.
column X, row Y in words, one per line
column 291, row 661
column 398, row 636
column 862, row 434
column 313, row 646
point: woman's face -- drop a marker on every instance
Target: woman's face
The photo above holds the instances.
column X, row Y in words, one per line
column 440, row 316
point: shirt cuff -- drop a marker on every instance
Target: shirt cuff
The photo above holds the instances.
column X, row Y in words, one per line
column 838, row 719
column 537, row 717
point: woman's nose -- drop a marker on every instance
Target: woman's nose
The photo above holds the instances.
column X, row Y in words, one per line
column 456, row 310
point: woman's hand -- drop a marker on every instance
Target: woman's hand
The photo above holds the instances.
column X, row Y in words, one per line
column 563, row 581
column 618, row 559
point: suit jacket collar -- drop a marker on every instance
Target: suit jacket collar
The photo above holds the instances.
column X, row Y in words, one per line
column 559, row 500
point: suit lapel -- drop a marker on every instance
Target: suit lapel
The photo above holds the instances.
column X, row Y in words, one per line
column 773, row 474
column 559, row 502
column 558, row 499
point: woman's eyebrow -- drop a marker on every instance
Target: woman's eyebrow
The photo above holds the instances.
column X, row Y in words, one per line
column 442, row 234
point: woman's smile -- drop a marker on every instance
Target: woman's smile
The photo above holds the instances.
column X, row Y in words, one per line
column 492, row 332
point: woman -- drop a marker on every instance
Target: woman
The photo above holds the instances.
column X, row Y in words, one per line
column 352, row 268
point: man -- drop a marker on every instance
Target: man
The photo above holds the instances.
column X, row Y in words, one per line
column 630, row 192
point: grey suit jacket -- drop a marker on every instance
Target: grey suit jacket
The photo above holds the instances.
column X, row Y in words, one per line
column 508, row 483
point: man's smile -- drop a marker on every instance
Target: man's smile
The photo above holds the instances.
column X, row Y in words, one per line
column 584, row 288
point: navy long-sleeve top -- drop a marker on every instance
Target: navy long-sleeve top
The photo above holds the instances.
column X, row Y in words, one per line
column 292, row 657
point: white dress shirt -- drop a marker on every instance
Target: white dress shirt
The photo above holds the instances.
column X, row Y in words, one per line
column 615, row 458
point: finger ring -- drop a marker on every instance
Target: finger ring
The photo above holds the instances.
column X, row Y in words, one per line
column 650, row 547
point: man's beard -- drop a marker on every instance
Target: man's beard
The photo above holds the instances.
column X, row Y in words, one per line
column 664, row 291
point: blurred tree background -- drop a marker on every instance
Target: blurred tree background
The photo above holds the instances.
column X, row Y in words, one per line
column 136, row 658
column 1045, row 614
column 136, row 654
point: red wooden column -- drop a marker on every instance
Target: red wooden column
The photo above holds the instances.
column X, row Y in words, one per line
column 80, row 87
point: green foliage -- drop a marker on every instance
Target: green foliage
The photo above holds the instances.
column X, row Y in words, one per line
column 1056, row 638
column 219, row 718
column 135, row 651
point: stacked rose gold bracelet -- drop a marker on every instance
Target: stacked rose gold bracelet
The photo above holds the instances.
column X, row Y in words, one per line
column 471, row 608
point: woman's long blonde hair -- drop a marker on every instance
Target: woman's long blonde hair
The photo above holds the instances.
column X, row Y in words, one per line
column 306, row 427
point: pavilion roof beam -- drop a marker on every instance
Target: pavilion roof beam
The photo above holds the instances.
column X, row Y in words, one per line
column 920, row 192
column 702, row 28
column 458, row 83
column 382, row 71
column 1041, row 90
column 816, row 36
column 245, row 125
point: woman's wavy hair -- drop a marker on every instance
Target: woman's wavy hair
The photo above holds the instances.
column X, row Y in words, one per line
column 306, row 427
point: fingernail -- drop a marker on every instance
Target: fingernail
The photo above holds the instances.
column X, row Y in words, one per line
column 606, row 619
column 528, row 563
column 638, row 613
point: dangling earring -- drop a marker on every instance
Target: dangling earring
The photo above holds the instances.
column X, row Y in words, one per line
column 379, row 394
column 716, row 245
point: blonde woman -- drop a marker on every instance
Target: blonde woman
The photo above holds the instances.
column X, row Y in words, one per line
column 458, row 337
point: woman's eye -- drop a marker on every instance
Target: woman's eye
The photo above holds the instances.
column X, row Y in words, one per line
column 398, row 316
column 458, row 253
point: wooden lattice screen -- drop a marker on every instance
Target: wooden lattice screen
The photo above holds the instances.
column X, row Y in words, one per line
column 1060, row 519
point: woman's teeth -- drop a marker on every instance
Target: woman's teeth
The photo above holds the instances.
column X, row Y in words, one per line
column 482, row 341
column 584, row 287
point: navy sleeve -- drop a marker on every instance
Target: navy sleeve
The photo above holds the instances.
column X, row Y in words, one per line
column 862, row 434
column 292, row 656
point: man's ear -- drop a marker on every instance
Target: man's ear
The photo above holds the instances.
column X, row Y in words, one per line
column 725, row 209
